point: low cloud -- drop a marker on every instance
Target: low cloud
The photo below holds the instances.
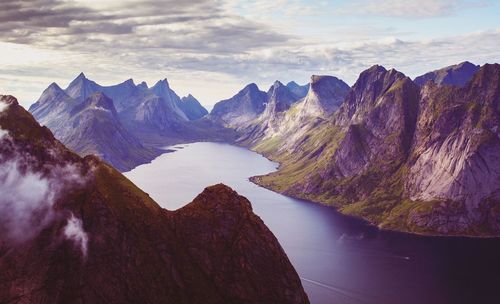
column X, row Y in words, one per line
column 28, row 194
column 74, row 232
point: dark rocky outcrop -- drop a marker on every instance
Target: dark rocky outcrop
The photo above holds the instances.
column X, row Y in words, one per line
column 94, row 237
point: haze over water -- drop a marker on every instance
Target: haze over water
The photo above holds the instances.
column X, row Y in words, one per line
column 339, row 259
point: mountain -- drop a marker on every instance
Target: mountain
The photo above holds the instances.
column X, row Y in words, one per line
column 91, row 127
column 414, row 159
column 53, row 103
column 170, row 98
column 288, row 117
column 299, row 90
column 142, row 119
column 192, row 107
column 458, row 75
column 243, row 107
column 325, row 95
column 74, row 230
column 81, row 88
column 279, row 99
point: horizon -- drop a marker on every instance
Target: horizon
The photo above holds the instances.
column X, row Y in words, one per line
column 209, row 107
column 212, row 49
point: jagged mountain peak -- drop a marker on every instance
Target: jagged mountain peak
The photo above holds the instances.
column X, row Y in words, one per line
column 129, row 82
column 81, row 87
column 325, row 95
column 53, row 87
column 250, row 87
column 277, row 83
column 161, row 83
column 81, row 76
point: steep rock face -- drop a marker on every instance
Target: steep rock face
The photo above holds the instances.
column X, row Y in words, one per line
column 365, row 93
column 458, row 75
column 81, row 88
column 169, row 98
column 245, row 106
column 192, row 107
column 415, row 160
column 93, row 127
column 287, row 117
column 456, row 158
column 379, row 117
column 53, row 103
column 279, row 99
column 102, row 240
column 325, row 95
column 142, row 119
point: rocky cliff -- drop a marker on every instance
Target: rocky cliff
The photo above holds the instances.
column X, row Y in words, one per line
column 74, row 230
column 420, row 160
column 91, row 126
column 141, row 120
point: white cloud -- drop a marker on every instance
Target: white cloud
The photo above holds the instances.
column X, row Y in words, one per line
column 3, row 106
column 29, row 194
column 74, row 231
column 213, row 48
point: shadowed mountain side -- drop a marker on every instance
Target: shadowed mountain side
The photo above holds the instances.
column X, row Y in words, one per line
column 94, row 237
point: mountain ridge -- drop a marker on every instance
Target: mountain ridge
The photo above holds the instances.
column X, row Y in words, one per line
column 101, row 239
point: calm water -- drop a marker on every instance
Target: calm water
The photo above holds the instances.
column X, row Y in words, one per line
column 339, row 259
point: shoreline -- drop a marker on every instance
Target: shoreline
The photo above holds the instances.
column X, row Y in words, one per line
column 368, row 222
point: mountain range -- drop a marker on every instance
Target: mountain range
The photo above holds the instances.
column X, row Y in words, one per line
column 75, row 230
column 410, row 155
column 124, row 124
column 406, row 157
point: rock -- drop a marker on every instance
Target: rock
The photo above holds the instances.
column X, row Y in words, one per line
column 106, row 241
column 457, row 75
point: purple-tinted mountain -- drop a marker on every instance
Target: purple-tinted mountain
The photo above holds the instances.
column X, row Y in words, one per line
column 299, row 90
column 240, row 109
column 458, row 75
column 142, row 118
column 422, row 160
column 75, row 230
column 192, row 107
column 91, row 127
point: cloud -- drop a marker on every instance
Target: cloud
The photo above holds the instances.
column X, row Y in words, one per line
column 410, row 8
column 210, row 48
column 29, row 194
column 194, row 26
column 3, row 106
column 74, row 231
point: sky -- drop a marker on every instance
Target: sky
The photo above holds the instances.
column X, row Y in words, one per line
column 213, row 48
